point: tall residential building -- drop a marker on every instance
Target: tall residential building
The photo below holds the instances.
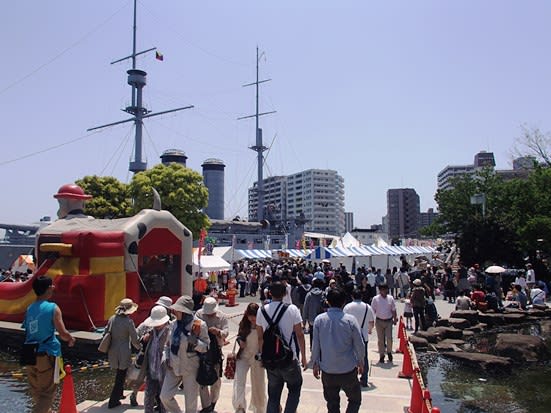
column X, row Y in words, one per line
column 481, row 159
column 427, row 218
column 275, row 195
column 348, row 221
column 213, row 177
column 319, row 195
column 403, row 209
column 314, row 196
column 522, row 168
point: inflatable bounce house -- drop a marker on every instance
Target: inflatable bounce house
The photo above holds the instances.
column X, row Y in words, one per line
column 97, row 262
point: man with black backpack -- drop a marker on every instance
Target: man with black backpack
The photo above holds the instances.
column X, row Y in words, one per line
column 281, row 339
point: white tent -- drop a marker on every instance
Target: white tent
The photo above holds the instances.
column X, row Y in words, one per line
column 210, row 263
column 346, row 241
column 23, row 263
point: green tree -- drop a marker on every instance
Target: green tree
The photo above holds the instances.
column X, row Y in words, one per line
column 111, row 197
column 481, row 234
column 182, row 193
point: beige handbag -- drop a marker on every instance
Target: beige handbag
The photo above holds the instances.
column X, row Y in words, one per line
column 105, row 342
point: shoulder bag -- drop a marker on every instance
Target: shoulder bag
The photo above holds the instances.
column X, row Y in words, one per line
column 105, row 342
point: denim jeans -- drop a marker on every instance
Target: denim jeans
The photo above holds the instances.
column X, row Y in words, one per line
column 290, row 375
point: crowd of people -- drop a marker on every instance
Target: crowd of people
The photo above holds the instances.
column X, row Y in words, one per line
column 9, row 276
column 336, row 309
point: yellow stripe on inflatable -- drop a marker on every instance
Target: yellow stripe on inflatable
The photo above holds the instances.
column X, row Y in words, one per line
column 61, row 248
column 105, row 265
column 115, row 291
column 18, row 305
column 64, row 266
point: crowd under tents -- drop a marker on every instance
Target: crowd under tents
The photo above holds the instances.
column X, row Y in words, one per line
column 369, row 255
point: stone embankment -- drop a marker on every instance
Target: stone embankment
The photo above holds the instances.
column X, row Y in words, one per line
column 461, row 337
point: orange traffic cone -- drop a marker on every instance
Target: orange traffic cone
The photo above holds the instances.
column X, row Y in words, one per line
column 416, row 403
column 407, row 366
column 403, row 338
column 68, row 403
column 400, row 327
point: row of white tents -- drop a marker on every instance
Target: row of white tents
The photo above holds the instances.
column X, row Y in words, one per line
column 370, row 255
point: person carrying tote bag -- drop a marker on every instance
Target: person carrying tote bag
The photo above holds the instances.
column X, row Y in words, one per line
column 123, row 334
column 229, row 371
column 105, row 342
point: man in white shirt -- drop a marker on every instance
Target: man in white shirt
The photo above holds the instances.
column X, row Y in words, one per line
column 366, row 320
column 384, row 308
column 290, row 326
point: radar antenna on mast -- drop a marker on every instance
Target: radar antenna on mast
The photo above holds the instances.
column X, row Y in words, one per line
column 137, row 80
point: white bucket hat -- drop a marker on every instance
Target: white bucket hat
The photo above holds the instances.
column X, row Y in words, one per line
column 158, row 317
column 210, row 306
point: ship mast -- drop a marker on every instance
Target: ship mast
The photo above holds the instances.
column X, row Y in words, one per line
column 137, row 80
column 259, row 148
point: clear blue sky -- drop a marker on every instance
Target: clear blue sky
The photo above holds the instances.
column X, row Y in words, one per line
column 386, row 93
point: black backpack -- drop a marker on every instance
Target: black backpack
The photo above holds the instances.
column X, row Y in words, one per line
column 276, row 352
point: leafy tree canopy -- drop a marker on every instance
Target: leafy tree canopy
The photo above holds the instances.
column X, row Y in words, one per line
column 111, row 197
column 516, row 221
column 182, row 193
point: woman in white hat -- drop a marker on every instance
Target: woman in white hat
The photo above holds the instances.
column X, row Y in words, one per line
column 123, row 332
column 143, row 329
column 152, row 365
column 188, row 335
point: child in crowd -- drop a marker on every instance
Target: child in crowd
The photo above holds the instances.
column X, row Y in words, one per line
column 408, row 314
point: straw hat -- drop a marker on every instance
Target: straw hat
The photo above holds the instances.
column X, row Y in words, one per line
column 210, row 306
column 126, row 306
column 164, row 301
column 158, row 317
column 184, row 304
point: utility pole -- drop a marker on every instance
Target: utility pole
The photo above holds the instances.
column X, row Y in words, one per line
column 259, row 148
column 137, row 80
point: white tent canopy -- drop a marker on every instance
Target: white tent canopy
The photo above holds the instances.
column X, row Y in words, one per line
column 346, row 241
column 209, row 263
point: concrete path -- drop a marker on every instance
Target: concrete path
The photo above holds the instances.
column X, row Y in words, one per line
column 386, row 392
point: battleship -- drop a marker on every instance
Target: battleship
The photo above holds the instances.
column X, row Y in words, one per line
column 18, row 240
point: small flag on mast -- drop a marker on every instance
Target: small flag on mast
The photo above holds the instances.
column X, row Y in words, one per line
column 159, row 56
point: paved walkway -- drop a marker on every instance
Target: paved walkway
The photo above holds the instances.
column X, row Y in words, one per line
column 386, row 392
